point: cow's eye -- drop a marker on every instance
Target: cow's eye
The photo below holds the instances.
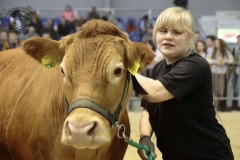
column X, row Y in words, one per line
column 118, row 71
column 62, row 72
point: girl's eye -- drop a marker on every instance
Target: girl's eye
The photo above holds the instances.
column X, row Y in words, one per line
column 117, row 71
column 162, row 30
column 177, row 32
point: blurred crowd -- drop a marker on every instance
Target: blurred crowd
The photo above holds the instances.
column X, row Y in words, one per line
column 224, row 61
column 68, row 22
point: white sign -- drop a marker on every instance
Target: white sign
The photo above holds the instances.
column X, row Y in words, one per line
column 228, row 15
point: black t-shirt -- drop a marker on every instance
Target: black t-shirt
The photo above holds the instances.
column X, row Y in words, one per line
column 185, row 126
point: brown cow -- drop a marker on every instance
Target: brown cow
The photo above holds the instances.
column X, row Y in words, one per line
column 35, row 122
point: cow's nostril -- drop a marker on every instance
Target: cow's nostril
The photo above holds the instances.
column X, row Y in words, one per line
column 91, row 131
column 67, row 129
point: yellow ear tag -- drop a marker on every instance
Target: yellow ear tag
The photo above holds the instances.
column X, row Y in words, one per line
column 133, row 69
column 48, row 62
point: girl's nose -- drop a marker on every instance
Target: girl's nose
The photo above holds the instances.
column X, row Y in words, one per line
column 168, row 35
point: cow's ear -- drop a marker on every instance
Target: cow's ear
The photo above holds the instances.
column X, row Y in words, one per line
column 139, row 56
column 40, row 47
column 48, row 52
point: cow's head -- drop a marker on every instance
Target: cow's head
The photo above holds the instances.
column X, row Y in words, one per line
column 95, row 63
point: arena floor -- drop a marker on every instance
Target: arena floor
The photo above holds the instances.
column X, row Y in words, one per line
column 230, row 121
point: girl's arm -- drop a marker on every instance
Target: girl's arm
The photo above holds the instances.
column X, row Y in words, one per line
column 155, row 89
column 144, row 125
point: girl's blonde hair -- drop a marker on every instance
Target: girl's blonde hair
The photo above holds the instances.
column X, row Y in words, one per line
column 172, row 17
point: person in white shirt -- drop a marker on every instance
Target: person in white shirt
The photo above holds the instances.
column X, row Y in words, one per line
column 210, row 43
column 236, row 54
column 219, row 60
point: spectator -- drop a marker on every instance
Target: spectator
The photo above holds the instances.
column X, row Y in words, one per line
column 148, row 35
column 131, row 26
column 181, row 3
column 13, row 40
column 197, row 36
column 110, row 15
column 48, row 27
column 46, row 35
column 220, row 57
column 236, row 49
column 31, row 33
column 36, row 23
column 134, row 34
column 210, row 43
column 144, row 25
column 236, row 54
column 3, row 39
column 119, row 24
column 68, row 14
column 79, row 22
column 105, row 18
column 93, row 14
column 63, row 28
column 201, row 48
column 28, row 16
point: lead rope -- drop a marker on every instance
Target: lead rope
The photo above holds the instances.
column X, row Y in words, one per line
column 131, row 142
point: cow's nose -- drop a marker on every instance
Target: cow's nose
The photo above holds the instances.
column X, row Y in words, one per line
column 83, row 130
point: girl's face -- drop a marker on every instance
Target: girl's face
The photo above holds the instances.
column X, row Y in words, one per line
column 200, row 47
column 173, row 43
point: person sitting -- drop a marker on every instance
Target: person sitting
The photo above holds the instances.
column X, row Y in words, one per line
column 3, row 39
column 145, row 25
column 119, row 24
column 46, row 35
column 48, row 27
column 36, row 23
column 131, row 26
column 93, row 14
column 63, row 28
column 13, row 40
column 69, row 16
column 30, row 33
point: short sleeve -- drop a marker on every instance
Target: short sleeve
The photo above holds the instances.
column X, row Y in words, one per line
column 144, row 103
column 183, row 79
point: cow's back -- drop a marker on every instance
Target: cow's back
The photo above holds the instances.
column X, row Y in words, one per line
column 31, row 104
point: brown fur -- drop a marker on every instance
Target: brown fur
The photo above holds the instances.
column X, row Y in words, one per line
column 32, row 107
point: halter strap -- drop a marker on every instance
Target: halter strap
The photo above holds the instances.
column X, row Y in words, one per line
column 90, row 104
